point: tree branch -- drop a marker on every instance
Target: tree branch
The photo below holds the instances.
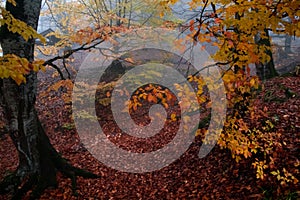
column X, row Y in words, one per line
column 83, row 47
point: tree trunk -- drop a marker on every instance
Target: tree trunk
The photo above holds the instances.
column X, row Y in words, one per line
column 265, row 70
column 288, row 44
column 288, row 40
column 119, row 12
column 38, row 160
column 19, row 100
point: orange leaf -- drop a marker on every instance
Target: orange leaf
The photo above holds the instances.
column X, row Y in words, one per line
column 192, row 23
column 152, row 98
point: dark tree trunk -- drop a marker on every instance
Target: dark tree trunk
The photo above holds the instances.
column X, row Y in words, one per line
column 38, row 160
column 119, row 12
column 19, row 100
column 266, row 70
column 287, row 44
column 288, row 41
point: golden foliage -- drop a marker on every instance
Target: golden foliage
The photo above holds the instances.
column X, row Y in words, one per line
column 232, row 26
column 12, row 66
column 17, row 26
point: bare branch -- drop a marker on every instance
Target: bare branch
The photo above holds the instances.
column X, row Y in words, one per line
column 83, row 47
column 58, row 70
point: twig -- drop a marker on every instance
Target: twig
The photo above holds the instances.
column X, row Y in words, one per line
column 83, row 47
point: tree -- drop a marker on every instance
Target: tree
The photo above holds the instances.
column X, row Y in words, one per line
column 97, row 13
column 265, row 70
column 233, row 25
column 240, row 31
column 38, row 160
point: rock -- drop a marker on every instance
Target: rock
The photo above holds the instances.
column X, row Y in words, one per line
column 113, row 71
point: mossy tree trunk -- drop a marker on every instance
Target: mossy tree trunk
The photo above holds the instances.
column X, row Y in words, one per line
column 38, row 160
column 266, row 70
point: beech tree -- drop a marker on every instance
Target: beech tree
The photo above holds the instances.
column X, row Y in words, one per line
column 240, row 29
column 38, row 160
column 72, row 15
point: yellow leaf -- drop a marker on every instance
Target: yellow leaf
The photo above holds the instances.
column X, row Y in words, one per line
column 173, row 117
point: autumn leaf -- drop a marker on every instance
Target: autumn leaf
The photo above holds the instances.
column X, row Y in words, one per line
column 151, row 98
column 192, row 24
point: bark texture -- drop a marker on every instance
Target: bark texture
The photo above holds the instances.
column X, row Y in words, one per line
column 38, row 160
column 19, row 100
column 265, row 70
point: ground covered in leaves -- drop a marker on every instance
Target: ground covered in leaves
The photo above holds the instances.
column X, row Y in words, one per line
column 217, row 176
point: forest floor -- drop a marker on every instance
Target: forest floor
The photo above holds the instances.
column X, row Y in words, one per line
column 217, row 176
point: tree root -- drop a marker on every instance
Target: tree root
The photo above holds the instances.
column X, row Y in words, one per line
column 19, row 186
column 10, row 182
column 50, row 163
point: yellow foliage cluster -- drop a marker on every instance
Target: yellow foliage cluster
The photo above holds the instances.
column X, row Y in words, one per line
column 232, row 25
column 12, row 66
column 284, row 177
column 237, row 136
column 17, row 26
column 152, row 94
column 239, row 87
column 67, row 84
